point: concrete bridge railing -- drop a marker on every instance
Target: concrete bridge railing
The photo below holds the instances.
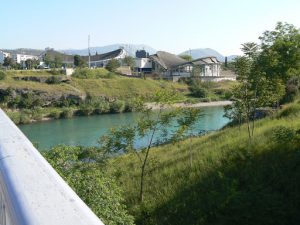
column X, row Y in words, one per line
column 31, row 192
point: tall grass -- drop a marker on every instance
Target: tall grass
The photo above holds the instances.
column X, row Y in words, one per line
column 231, row 181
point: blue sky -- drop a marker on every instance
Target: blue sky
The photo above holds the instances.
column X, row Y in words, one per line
column 170, row 25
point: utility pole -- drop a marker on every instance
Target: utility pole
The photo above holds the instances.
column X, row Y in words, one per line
column 89, row 52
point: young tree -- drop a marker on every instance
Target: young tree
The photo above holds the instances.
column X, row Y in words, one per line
column 57, row 61
column 113, row 65
column 129, row 61
column 79, row 61
column 8, row 62
column 151, row 125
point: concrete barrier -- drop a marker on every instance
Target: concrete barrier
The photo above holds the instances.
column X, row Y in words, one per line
column 31, row 191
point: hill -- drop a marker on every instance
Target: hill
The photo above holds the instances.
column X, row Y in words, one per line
column 130, row 48
column 204, row 52
column 231, row 181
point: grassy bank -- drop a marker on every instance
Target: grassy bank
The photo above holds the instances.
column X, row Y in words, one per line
column 29, row 96
column 230, row 181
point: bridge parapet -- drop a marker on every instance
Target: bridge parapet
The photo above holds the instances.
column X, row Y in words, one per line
column 31, row 191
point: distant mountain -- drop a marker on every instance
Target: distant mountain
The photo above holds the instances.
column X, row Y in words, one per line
column 204, row 52
column 25, row 51
column 231, row 57
column 130, row 48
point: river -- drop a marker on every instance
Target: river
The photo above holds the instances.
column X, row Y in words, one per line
column 87, row 130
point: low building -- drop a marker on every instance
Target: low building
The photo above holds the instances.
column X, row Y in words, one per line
column 143, row 65
column 21, row 58
column 101, row 60
column 170, row 66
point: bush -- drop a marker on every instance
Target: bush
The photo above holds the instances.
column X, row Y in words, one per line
column 291, row 110
column 117, row 106
column 37, row 115
column 67, row 113
column 14, row 116
column 2, row 75
column 24, row 118
column 87, row 73
column 53, row 80
column 283, row 135
column 198, row 89
column 55, row 113
column 85, row 110
column 102, row 107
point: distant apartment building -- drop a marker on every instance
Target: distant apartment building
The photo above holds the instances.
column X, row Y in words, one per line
column 21, row 58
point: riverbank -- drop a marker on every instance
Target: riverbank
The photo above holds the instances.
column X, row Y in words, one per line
column 155, row 106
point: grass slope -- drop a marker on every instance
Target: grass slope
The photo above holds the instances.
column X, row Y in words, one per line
column 229, row 182
column 115, row 87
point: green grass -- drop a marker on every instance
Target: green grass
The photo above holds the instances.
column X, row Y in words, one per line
column 231, row 181
column 115, row 87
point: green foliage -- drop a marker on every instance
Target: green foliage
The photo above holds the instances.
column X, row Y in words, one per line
column 2, row 75
column 198, row 89
column 229, row 182
column 81, row 168
column 113, row 65
column 67, row 113
column 86, row 73
column 79, row 61
column 129, row 61
column 55, row 113
column 291, row 110
column 53, row 80
column 117, row 106
column 150, row 125
column 186, row 57
column 280, row 55
column 283, row 135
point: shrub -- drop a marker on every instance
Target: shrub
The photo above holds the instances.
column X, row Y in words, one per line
column 37, row 115
column 2, row 75
column 102, row 107
column 87, row 73
column 117, row 106
column 14, row 116
column 85, row 110
column 198, row 89
column 291, row 110
column 53, row 80
column 24, row 118
column 283, row 135
column 67, row 113
column 55, row 113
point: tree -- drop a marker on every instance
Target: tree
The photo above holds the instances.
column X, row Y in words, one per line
column 186, row 57
column 47, row 59
column 79, row 61
column 129, row 61
column 151, row 125
column 8, row 62
column 81, row 169
column 113, row 65
column 226, row 63
column 280, row 55
column 57, row 61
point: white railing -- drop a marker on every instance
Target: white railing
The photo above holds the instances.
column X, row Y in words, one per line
column 31, row 192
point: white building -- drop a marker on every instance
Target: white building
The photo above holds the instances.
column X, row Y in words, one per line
column 20, row 58
column 101, row 60
column 143, row 65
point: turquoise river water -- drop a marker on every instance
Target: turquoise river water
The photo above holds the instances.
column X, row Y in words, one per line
column 87, row 130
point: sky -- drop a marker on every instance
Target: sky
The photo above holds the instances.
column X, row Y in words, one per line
column 169, row 25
